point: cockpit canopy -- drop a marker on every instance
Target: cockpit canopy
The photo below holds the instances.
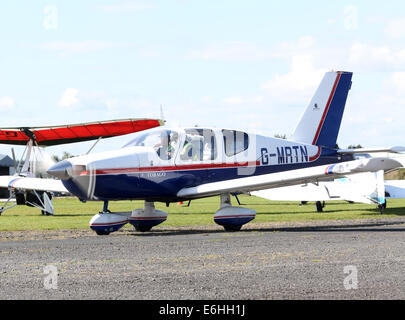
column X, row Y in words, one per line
column 163, row 141
column 193, row 144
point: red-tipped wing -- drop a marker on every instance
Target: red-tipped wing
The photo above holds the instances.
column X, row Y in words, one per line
column 54, row 135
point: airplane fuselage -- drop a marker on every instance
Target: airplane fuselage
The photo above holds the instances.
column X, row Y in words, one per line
column 147, row 169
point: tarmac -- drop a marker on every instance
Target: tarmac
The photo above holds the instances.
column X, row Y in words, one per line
column 339, row 260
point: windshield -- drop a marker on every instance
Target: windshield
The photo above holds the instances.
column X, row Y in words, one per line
column 163, row 141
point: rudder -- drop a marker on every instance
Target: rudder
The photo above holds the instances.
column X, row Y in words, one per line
column 320, row 123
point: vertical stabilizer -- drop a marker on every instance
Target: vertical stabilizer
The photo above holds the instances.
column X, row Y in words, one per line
column 320, row 123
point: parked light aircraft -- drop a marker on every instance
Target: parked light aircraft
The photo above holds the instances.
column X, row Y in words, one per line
column 178, row 164
column 367, row 187
column 34, row 192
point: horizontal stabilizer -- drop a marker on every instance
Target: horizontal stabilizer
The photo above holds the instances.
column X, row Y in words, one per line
column 396, row 149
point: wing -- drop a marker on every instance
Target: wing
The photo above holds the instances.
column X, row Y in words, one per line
column 288, row 178
column 300, row 192
column 365, row 187
column 54, row 135
column 26, row 183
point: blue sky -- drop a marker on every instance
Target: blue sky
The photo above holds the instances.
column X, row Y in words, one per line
column 244, row 64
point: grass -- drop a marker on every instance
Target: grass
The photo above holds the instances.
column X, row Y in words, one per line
column 70, row 213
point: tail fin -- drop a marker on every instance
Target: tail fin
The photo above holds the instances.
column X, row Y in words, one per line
column 320, row 123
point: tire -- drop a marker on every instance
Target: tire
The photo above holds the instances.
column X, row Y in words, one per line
column 232, row 227
column 319, row 207
column 102, row 233
column 142, row 228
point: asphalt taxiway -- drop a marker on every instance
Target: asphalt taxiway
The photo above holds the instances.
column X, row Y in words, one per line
column 359, row 259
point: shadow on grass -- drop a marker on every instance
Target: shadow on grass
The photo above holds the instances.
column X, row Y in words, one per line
column 328, row 210
column 89, row 215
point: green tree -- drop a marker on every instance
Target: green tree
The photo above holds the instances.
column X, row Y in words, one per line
column 280, row 136
column 66, row 155
column 352, row 146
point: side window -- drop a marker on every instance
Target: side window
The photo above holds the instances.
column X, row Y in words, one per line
column 235, row 142
column 164, row 142
column 199, row 145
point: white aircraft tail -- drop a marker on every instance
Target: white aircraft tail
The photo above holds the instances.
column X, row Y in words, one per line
column 366, row 187
column 320, row 123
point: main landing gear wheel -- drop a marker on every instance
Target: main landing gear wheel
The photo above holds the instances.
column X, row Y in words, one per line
column 319, row 206
column 143, row 228
column 231, row 227
column 382, row 206
column 145, row 219
column 232, row 218
column 102, row 233
column 45, row 213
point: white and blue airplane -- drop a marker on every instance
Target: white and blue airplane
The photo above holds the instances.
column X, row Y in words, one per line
column 179, row 164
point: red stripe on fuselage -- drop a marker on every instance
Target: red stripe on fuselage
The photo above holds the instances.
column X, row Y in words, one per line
column 147, row 218
column 171, row 168
column 108, row 223
column 315, row 157
column 236, row 216
column 318, row 131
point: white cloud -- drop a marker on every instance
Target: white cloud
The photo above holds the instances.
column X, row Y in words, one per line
column 395, row 29
column 65, row 48
column 374, row 107
column 69, row 98
column 231, row 51
column 243, row 100
column 125, row 6
column 382, row 58
column 50, row 17
column 133, row 104
column 297, row 84
column 398, row 81
column 331, row 22
column 248, row 51
column 6, row 103
column 351, row 19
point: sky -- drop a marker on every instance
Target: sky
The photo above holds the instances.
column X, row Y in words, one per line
column 251, row 65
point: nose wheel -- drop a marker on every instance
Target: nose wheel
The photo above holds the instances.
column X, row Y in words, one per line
column 106, row 221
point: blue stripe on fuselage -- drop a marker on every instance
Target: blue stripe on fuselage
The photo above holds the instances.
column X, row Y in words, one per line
column 164, row 187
